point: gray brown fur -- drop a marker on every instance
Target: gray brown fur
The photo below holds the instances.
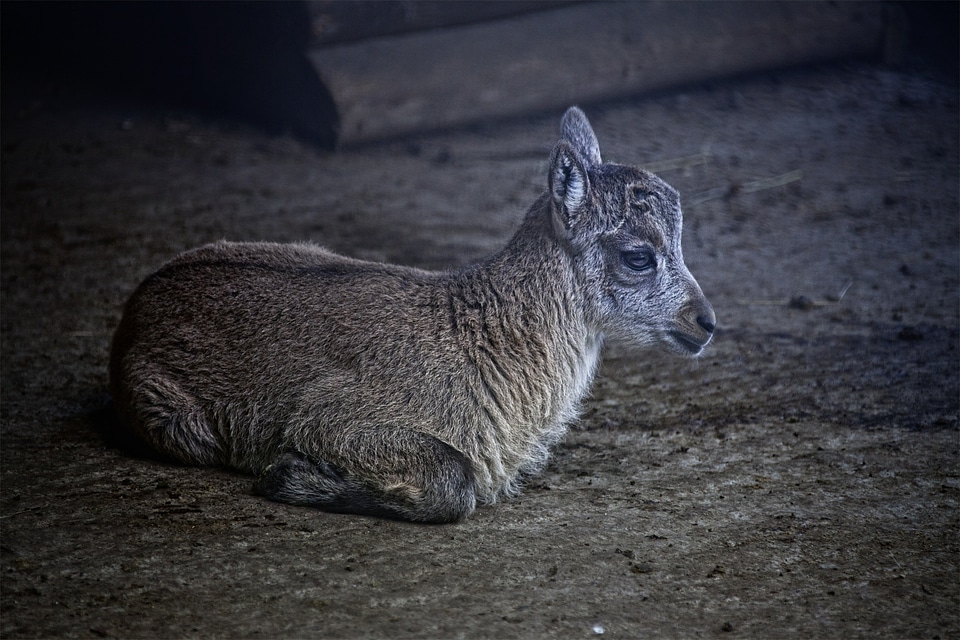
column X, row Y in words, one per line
column 378, row 389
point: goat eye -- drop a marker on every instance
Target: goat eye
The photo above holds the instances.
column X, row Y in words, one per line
column 639, row 260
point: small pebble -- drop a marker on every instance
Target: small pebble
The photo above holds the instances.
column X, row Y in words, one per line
column 803, row 303
column 909, row 333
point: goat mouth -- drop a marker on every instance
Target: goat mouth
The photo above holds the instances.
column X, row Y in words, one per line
column 688, row 344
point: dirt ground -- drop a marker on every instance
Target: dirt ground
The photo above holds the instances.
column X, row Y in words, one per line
column 800, row 479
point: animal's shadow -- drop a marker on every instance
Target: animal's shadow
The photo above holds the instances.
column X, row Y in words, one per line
column 101, row 421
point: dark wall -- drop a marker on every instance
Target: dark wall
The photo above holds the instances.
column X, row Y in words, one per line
column 244, row 60
column 935, row 32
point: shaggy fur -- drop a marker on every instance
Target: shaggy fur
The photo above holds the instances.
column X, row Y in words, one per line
column 384, row 390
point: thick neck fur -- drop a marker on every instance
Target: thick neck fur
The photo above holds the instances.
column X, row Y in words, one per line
column 520, row 319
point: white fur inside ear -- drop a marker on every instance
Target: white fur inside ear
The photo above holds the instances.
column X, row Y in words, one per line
column 576, row 189
column 569, row 182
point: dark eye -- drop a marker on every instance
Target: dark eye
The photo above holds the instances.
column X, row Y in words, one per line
column 639, row 259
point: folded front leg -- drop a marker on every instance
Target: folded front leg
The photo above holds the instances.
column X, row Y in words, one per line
column 385, row 472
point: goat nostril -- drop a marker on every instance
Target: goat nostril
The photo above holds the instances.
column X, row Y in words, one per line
column 707, row 322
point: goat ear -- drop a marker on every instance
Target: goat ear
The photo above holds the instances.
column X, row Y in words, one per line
column 568, row 184
column 576, row 130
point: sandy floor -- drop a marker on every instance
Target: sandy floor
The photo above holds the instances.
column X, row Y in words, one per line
column 802, row 478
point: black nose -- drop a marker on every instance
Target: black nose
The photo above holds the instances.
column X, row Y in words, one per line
column 708, row 321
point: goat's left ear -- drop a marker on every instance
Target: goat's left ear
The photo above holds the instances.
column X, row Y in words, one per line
column 576, row 129
column 568, row 184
